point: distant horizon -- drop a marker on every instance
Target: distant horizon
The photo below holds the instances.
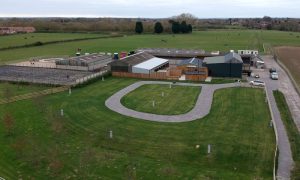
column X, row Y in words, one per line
column 156, row 9
column 124, row 17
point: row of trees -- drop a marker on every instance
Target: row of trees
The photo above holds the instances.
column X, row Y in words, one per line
column 177, row 27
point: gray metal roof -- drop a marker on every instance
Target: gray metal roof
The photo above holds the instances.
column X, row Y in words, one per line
column 133, row 59
column 84, row 60
column 173, row 52
column 228, row 58
column 192, row 61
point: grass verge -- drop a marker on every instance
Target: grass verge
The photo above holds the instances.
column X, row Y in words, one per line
column 292, row 131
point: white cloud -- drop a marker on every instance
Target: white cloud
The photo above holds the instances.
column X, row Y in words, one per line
column 150, row 8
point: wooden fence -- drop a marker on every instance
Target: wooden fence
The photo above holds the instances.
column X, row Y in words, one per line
column 156, row 75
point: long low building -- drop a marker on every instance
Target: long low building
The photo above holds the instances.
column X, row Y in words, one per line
column 89, row 62
column 142, row 63
column 150, row 66
column 178, row 53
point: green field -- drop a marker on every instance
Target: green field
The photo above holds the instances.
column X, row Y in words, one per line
column 26, row 39
column 41, row 144
column 223, row 40
column 7, row 89
column 177, row 100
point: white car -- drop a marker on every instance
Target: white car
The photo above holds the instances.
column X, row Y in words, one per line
column 274, row 75
column 257, row 83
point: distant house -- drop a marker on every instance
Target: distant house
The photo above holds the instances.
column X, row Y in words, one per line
column 248, row 52
column 230, row 65
column 14, row 30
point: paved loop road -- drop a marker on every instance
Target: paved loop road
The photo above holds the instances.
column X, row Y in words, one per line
column 201, row 108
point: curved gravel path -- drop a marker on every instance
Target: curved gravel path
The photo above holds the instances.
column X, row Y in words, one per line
column 201, row 108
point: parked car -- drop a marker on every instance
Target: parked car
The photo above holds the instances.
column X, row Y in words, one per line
column 271, row 70
column 274, row 75
column 257, row 83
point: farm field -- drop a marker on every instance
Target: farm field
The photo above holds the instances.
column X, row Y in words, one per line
column 168, row 101
column 41, row 143
column 8, row 89
column 223, row 40
column 290, row 57
column 25, row 39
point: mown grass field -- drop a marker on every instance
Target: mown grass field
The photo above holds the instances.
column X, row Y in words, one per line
column 8, row 89
column 25, row 39
column 168, row 101
column 42, row 144
column 223, row 40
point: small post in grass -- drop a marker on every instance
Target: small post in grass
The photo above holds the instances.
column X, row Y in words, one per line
column 153, row 103
column 110, row 134
column 102, row 78
column 170, row 86
column 162, row 94
column 209, row 149
column 70, row 91
column 62, row 112
column 271, row 123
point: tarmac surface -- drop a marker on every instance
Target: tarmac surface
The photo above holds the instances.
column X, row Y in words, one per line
column 285, row 159
column 201, row 108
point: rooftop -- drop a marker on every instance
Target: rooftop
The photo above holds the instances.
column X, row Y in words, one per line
column 151, row 63
column 173, row 52
column 192, row 61
column 136, row 58
column 228, row 58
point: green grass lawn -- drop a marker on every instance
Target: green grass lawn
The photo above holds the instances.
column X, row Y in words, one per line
column 8, row 89
column 41, row 144
column 168, row 101
column 292, row 130
column 223, row 40
column 25, row 39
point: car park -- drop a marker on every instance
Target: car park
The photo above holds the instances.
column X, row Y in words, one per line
column 274, row 75
column 271, row 70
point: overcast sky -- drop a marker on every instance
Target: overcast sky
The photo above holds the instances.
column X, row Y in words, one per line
column 149, row 8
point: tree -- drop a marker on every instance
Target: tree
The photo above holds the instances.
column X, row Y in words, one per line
column 158, row 28
column 183, row 27
column 176, row 27
column 190, row 28
column 8, row 122
column 139, row 27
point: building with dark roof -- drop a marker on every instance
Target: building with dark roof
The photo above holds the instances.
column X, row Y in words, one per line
column 230, row 65
column 177, row 53
column 141, row 62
